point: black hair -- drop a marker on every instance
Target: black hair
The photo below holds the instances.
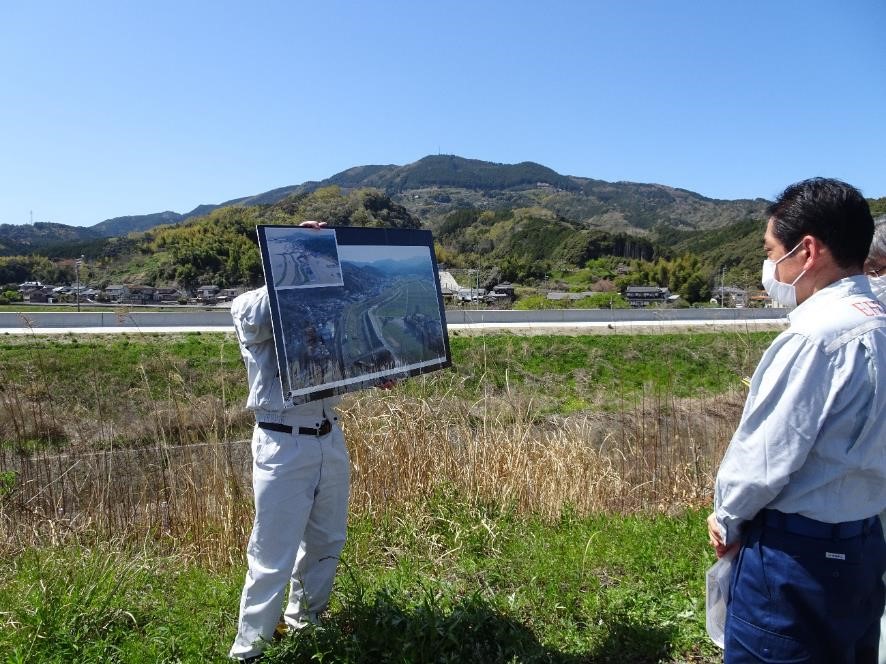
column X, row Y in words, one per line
column 834, row 212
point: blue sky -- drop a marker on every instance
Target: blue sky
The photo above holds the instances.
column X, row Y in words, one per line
column 117, row 108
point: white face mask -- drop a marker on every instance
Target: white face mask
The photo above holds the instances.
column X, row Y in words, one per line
column 784, row 293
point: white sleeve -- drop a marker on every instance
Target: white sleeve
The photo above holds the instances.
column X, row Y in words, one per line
column 785, row 409
column 251, row 312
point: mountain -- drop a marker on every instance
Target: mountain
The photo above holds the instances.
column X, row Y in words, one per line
column 25, row 239
column 450, row 171
column 432, row 188
column 125, row 225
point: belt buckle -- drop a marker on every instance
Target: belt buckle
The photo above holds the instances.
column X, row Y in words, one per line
column 325, row 428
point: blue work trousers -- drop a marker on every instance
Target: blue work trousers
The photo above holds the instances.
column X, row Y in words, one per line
column 799, row 598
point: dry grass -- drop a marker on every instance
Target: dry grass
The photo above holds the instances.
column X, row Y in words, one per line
column 653, row 456
column 174, row 465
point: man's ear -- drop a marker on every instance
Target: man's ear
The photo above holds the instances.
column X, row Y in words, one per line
column 815, row 251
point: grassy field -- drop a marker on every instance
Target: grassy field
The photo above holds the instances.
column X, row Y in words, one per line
column 444, row 581
column 541, row 501
column 57, row 390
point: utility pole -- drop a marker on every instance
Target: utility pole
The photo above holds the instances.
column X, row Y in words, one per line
column 77, row 265
column 722, row 277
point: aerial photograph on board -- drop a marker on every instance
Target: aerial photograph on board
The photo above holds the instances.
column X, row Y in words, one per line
column 384, row 320
column 303, row 257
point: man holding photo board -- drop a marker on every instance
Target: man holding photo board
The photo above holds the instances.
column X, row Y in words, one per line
column 300, row 477
column 343, row 309
column 803, row 481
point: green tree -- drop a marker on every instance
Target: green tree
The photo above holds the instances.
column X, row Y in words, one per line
column 695, row 289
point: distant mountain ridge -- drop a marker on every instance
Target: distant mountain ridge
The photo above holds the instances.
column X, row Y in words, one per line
column 26, row 238
column 436, row 185
column 131, row 224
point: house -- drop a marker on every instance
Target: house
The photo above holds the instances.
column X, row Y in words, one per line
column 117, row 291
column 470, row 294
column 139, row 295
column 29, row 286
column 448, row 285
column 228, row 294
column 505, row 288
column 207, row 293
column 643, row 296
column 729, row 296
column 761, row 299
column 167, row 295
column 44, row 295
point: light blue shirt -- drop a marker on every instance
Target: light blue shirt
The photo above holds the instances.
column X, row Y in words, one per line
column 812, row 437
column 251, row 312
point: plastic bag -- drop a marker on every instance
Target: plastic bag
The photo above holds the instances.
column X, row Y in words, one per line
column 717, row 578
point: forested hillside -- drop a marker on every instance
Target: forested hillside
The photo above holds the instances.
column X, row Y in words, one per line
column 435, row 186
column 221, row 247
column 522, row 222
column 37, row 237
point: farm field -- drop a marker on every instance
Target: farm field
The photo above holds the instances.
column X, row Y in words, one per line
column 542, row 500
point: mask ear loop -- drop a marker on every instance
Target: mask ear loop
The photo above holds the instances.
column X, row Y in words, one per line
column 794, row 282
column 799, row 276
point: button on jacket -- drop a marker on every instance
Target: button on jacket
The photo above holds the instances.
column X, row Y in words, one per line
column 812, row 437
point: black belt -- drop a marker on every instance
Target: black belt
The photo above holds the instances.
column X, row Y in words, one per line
column 322, row 430
column 797, row 524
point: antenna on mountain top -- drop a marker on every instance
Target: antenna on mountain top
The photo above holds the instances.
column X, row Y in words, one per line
column 32, row 217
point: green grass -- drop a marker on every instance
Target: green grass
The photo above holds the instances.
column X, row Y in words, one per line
column 567, row 373
column 117, row 364
column 109, row 603
column 77, row 381
column 444, row 581
column 683, row 364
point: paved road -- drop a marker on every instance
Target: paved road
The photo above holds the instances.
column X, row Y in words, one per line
column 586, row 327
column 559, row 321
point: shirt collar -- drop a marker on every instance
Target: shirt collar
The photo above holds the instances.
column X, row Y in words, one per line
column 857, row 284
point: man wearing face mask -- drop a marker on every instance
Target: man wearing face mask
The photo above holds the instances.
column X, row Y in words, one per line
column 803, row 481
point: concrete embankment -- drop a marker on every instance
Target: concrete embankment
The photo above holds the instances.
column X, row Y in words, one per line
column 468, row 321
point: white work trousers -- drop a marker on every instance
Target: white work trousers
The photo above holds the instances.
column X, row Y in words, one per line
column 301, row 486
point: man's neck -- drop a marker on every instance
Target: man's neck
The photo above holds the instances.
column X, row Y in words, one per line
column 822, row 278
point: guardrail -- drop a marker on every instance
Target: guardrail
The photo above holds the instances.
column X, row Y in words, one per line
column 222, row 319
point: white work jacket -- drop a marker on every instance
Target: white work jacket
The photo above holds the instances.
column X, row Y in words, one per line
column 812, row 437
column 251, row 312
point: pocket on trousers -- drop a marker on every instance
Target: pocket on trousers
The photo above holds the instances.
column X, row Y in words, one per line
column 764, row 645
column 268, row 447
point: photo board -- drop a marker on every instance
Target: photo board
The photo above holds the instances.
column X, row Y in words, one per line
column 352, row 307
